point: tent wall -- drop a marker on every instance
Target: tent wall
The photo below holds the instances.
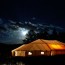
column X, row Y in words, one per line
column 19, row 53
column 58, row 52
column 47, row 53
column 13, row 53
column 38, row 53
column 34, row 53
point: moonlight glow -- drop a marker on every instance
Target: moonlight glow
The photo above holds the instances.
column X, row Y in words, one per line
column 23, row 33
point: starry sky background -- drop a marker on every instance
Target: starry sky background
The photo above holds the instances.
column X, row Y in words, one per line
column 36, row 11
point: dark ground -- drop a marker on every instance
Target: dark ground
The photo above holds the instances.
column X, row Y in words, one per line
column 41, row 60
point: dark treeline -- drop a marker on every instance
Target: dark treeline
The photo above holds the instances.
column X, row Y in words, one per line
column 45, row 35
column 5, row 49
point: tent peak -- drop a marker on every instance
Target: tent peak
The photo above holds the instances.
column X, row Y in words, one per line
column 48, row 40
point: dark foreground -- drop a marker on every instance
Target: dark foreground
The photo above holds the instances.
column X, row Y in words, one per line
column 41, row 60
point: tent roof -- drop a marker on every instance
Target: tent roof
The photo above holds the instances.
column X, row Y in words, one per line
column 42, row 45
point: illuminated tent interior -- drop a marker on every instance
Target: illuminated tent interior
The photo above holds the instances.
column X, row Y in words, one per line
column 40, row 47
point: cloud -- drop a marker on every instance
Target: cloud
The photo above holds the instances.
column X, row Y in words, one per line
column 60, row 28
column 20, row 23
column 14, row 36
column 2, row 28
column 12, row 22
column 1, row 21
column 14, row 31
column 13, row 27
column 40, row 24
column 33, row 18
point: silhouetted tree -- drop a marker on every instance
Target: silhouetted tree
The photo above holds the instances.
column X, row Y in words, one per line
column 30, row 36
column 40, row 34
column 62, row 36
column 54, row 34
column 45, row 34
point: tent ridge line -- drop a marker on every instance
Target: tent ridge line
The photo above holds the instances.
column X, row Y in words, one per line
column 46, row 44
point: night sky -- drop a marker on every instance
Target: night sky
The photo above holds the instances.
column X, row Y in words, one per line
column 45, row 11
column 36, row 11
